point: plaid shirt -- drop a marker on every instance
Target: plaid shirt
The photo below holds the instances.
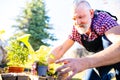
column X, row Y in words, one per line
column 101, row 23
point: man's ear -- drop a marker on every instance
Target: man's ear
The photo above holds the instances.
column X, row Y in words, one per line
column 92, row 13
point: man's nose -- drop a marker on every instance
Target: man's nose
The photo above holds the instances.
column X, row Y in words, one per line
column 78, row 21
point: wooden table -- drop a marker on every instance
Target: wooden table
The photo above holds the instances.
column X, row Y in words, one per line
column 18, row 76
column 28, row 76
column 23, row 76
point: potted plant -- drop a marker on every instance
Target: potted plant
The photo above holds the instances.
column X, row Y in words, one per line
column 42, row 53
column 17, row 55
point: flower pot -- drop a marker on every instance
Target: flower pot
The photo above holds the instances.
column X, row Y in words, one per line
column 16, row 69
column 42, row 70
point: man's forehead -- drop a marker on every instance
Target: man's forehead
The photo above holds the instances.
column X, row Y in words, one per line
column 79, row 10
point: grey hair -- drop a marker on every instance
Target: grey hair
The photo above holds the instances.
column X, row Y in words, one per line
column 76, row 3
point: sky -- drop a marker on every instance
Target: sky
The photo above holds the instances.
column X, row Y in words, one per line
column 58, row 10
column 9, row 9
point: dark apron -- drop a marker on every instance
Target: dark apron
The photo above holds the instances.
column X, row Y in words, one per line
column 96, row 46
column 93, row 46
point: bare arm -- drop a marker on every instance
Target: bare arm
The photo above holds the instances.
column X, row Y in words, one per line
column 59, row 51
column 111, row 54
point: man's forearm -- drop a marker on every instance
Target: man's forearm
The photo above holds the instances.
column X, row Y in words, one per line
column 108, row 56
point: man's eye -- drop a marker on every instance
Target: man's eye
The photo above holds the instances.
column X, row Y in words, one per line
column 79, row 17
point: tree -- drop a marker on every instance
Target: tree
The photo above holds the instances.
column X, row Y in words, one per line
column 34, row 21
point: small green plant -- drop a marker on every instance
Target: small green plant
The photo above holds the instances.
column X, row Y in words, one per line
column 17, row 53
column 42, row 53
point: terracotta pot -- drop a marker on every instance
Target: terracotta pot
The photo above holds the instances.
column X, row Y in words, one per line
column 16, row 69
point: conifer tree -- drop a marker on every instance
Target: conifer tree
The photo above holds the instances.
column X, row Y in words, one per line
column 34, row 21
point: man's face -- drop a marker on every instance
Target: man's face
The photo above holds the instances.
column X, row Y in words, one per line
column 82, row 17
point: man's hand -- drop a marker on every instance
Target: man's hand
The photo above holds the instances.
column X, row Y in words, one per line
column 72, row 65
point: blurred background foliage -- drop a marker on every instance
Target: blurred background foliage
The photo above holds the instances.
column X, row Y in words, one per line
column 35, row 22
